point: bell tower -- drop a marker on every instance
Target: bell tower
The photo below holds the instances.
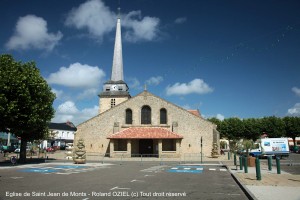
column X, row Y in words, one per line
column 115, row 90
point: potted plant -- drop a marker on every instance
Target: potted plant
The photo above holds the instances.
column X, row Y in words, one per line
column 248, row 145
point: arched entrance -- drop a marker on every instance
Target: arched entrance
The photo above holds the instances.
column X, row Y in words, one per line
column 145, row 146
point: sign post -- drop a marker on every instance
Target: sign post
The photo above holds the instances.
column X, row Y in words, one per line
column 201, row 148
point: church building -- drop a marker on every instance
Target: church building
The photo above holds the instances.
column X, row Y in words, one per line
column 144, row 124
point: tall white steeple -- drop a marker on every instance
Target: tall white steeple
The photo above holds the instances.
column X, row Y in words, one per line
column 115, row 91
column 117, row 66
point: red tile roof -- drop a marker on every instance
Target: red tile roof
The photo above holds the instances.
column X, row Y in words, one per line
column 145, row 133
column 195, row 112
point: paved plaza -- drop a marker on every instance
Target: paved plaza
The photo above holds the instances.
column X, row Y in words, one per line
column 59, row 178
column 129, row 180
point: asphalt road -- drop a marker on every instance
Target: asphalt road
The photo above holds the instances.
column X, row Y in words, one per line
column 290, row 164
column 127, row 181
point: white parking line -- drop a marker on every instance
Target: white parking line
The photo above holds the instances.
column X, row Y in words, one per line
column 117, row 188
column 136, row 181
column 16, row 177
column 212, row 169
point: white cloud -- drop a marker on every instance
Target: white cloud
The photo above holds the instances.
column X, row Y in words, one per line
column 134, row 83
column 58, row 93
column 99, row 20
column 220, row 117
column 140, row 29
column 154, row 80
column 67, row 107
column 180, row 20
column 89, row 93
column 31, row 32
column 94, row 16
column 77, row 75
column 296, row 91
column 295, row 110
column 68, row 111
column 197, row 86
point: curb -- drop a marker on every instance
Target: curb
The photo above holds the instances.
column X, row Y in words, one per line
column 247, row 192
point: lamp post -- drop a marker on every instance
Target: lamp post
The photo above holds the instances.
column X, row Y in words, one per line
column 201, row 148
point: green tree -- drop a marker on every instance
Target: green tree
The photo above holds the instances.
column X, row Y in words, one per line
column 273, row 126
column 232, row 128
column 25, row 101
column 252, row 130
column 292, row 127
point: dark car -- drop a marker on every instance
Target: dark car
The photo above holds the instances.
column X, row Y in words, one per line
column 8, row 149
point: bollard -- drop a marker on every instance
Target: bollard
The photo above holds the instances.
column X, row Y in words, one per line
column 257, row 166
column 245, row 164
column 270, row 163
column 241, row 162
column 278, row 165
column 234, row 159
column 228, row 155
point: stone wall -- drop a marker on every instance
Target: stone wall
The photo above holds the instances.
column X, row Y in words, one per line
column 191, row 127
column 105, row 103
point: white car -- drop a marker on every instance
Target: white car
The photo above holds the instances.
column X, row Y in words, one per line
column 18, row 150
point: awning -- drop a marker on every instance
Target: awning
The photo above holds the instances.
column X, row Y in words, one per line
column 145, row 133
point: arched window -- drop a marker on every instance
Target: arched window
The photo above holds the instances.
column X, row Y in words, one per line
column 146, row 115
column 163, row 116
column 128, row 119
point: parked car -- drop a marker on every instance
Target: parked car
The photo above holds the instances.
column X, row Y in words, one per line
column 8, row 149
column 18, row 150
column 50, row 149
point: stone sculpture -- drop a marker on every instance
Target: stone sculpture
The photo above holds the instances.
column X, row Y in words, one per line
column 79, row 156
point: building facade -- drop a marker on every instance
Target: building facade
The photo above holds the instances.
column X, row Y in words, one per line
column 60, row 135
column 144, row 124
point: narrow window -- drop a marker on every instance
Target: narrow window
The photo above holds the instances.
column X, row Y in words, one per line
column 128, row 118
column 120, row 145
column 169, row 145
column 112, row 103
column 163, row 116
column 146, row 115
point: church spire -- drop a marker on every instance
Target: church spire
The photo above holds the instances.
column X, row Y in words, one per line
column 117, row 67
column 115, row 91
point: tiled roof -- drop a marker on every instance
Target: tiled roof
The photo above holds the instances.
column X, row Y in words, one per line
column 195, row 112
column 145, row 133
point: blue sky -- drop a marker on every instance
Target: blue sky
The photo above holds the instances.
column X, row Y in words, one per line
column 225, row 58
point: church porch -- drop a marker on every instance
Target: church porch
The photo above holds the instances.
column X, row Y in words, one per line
column 145, row 142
